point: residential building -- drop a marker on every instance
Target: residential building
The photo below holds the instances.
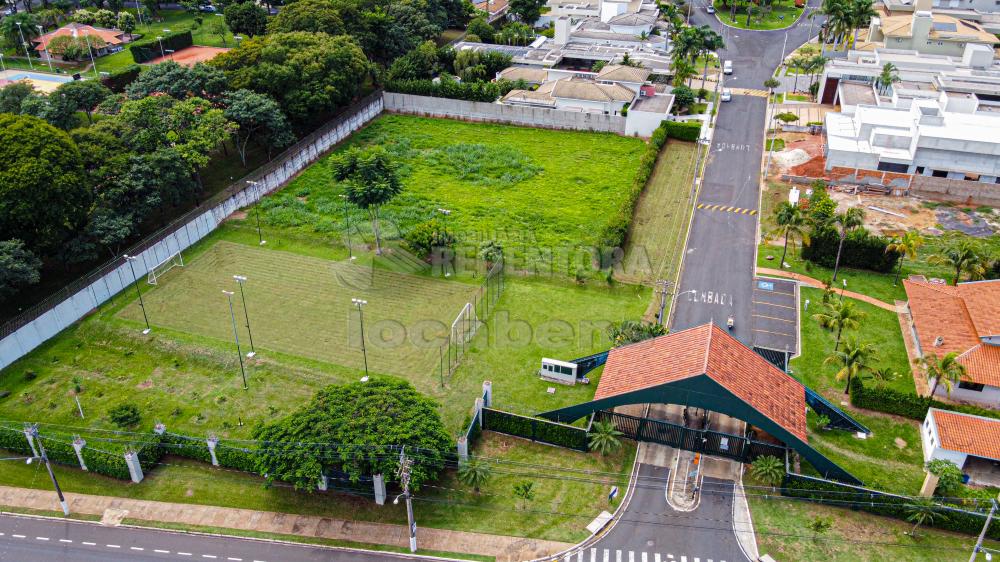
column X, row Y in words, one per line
column 927, row 31
column 495, row 9
column 984, row 12
column 113, row 39
column 971, row 442
column 962, row 319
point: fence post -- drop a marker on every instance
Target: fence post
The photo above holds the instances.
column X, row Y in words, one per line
column 31, row 441
column 134, row 468
column 488, row 394
column 479, row 411
column 379, row 482
column 324, row 483
column 463, row 449
column 212, row 442
column 78, row 444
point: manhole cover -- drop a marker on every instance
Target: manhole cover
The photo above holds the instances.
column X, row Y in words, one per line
column 649, row 543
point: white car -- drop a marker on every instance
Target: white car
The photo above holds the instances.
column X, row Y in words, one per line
column 710, row 9
column 727, row 95
column 727, row 67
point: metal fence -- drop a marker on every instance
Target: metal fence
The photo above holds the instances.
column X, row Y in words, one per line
column 467, row 322
column 32, row 327
column 736, row 447
column 535, row 429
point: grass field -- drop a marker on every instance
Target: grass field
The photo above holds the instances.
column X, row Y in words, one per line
column 778, row 17
column 173, row 20
column 529, row 188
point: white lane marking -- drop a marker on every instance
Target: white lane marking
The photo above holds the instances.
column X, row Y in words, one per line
column 65, row 540
column 235, row 559
column 184, row 554
column 631, row 556
column 656, row 557
column 593, row 555
column 607, row 553
column 112, row 546
column 157, row 550
column 618, row 556
column 90, row 543
column 580, row 557
column 18, row 536
column 644, row 559
column 208, row 556
column 139, row 548
column 42, row 538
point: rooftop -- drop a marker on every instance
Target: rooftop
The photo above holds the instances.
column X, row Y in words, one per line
column 622, row 73
column 943, row 28
column 591, row 91
column 973, row 435
column 531, row 74
column 653, row 104
column 110, row 36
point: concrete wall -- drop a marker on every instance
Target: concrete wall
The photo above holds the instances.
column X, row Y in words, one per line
column 989, row 397
column 956, row 191
column 498, row 113
column 181, row 235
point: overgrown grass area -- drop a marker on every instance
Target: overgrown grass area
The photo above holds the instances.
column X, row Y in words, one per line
column 778, row 16
column 528, row 187
column 560, row 509
column 174, row 21
column 855, row 536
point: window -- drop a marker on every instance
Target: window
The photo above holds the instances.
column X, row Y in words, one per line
column 940, row 173
column 920, row 169
column 974, row 387
column 893, row 167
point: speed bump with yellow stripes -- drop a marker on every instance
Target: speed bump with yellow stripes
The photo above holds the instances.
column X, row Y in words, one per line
column 727, row 209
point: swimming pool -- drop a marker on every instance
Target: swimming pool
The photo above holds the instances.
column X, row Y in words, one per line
column 15, row 75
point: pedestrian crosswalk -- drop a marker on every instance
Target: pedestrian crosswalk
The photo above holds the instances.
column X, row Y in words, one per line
column 749, row 92
column 612, row 555
column 727, row 209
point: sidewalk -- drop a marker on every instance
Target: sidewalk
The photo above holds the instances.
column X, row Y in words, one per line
column 819, row 285
column 502, row 547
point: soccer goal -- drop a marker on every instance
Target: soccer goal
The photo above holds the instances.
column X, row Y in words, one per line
column 175, row 260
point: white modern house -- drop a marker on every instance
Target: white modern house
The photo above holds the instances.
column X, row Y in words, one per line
column 984, row 12
column 971, row 442
column 927, row 31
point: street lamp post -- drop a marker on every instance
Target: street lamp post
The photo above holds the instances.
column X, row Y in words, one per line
column 135, row 281
column 240, row 280
column 236, row 336
column 361, row 316
column 159, row 39
column 256, row 210
column 347, row 217
column 48, row 55
column 25, row 43
column 90, row 50
column 45, row 458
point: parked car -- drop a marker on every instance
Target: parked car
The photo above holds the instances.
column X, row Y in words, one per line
column 208, row 9
column 710, row 9
column 727, row 67
column 727, row 95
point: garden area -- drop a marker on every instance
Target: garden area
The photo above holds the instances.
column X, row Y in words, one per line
column 755, row 15
column 206, row 29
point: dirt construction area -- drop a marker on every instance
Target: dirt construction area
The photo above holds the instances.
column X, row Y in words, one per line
column 191, row 56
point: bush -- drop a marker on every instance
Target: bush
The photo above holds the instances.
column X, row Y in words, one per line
column 427, row 236
column 125, row 415
column 683, row 97
column 862, row 250
column 906, row 404
column 449, row 88
column 683, row 130
column 149, row 51
column 481, row 29
column 787, row 117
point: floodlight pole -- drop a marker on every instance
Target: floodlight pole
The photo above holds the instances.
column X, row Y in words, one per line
column 240, row 280
column 48, row 55
column 135, row 281
column 45, row 458
column 986, row 527
column 159, row 40
column 236, row 337
column 90, row 51
column 361, row 315
column 26, row 53
column 256, row 209
column 347, row 217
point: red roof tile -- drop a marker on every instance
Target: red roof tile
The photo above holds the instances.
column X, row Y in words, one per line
column 973, row 435
column 110, row 36
column 707, row 350
column 960, row 316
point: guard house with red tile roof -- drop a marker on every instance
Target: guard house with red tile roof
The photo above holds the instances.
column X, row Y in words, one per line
column 971, row 442
column 113, row 39
column 705, row 367
column 962, row 319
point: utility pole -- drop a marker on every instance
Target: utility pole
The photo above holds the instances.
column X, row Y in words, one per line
column 405, row 466
column 236, row 337
column 982, row 535
column 52, row 475
column 135, row 281
column 256, row 209
column 361, row 317
column 662, row 287
column 240, row 280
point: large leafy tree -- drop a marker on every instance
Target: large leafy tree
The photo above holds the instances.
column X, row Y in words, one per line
column 58, row 111
column 12, row 33
column 178, row 81
column 308, row 15
column 42, row 197
column 18, row 268
column 853, row 361
column 370, row 179
column 527, row 11
column 839, row 315
column 308, row 74
column 355, row 428
column 246, row 18
column 84, row 95
column 13, row 95
column 420, row 63
column 259, row 119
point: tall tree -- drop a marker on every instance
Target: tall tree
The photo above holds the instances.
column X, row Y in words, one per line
column 12, row 32
column 260, row 119
column 308, row 15
column 852, row 361
column 964, row 256
column 839, row 315
column 845, row 222
column 527, row 11
column 178, row 81
column 85, row 95
column 18, row 268
column 861, row 13
column 944, row 370
column 370, row 181
column 906, row 246
column 790, row 223
column 246, row 18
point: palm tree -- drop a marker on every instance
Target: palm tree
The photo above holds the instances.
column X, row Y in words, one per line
column 844, row 223
column 962, row 254
column 860, row 13
column 798, row 64
column 906, row 246
column 768, row 469
column 854, row 360
column 670, row 13
column 815, row 65
column 791, row 223
column 883, row 374
column 604, row 438
column 922, row 511
column 710, row 42
column 945, row 370
column 628, row 61
column 474, row 472
column 887, row 77
column 683, row 70
column 839, row 315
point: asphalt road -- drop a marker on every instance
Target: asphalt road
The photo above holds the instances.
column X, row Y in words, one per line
column 53, row 540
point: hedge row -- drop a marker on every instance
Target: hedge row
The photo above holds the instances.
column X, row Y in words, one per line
column 535, row 429
column 906, row 404
column 107, row 458
column 683, row 130
column 118, row 80
column 615, row 231
column 170, row 42
column 862, row 250
column 451, row 89
column 879, row 503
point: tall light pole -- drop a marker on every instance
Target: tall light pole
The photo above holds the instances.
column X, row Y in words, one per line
column 982, row 535
column 135, row 281
column 3, row 68
column 45, row 458
column 236, row 336
column 256, row 209
column 159, row 39
column 90, row 50
column 25, row 43
column 48, row 55
column 347, row 217
column 361, row 316
column 240, row 280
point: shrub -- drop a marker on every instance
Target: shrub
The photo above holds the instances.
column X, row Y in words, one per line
column 862, row 250
column 149, row 51
column 683, row 130
column 787, row 117
column 449, row 88
column 481, row 29
column 125, row 415
column 426, row 237
column 683, row 97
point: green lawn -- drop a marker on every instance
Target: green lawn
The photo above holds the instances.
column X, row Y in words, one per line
column 533, row 189
column 174, row 20
column 778, row 144
column 781, row 15
column 447, row 504
column 856, row 536
column 879, row 327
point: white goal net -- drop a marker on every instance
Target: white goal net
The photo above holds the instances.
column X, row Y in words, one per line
column 465, row 325
column 175, row 260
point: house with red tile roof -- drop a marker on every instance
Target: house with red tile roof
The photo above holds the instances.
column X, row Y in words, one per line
column 962, row 319
column 971, row 442
column 113, row 39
